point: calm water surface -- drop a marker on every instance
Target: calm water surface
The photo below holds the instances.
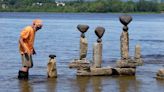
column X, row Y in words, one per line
column 59, row 36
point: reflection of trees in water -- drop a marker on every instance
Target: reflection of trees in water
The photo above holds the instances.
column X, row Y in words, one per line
column 128, row 84
column 96, row 81
column 82, row 83
column 51, row 84
column 93, row 83
column 25, row 86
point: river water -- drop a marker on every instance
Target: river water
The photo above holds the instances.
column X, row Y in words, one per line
column 59, row 36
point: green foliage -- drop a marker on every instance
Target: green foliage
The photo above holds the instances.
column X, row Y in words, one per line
column 102, row 6
column 161, row 7
column 147, row 6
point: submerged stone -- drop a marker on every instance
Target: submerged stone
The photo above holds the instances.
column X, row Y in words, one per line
column 160, row 74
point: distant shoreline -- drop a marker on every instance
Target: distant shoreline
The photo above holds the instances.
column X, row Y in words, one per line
column 83, row 12
column 99, row 6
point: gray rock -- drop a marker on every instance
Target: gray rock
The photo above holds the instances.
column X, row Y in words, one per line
column 97, row 55
column 79, row 64
column 123, row 71
column 100, row 31
column 125, row 19
column 124, row 39
column 105, row 71
column 83, row 48
column 82, row 28
column 129, row 63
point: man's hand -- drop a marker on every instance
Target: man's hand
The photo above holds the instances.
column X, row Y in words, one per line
column 33, row 52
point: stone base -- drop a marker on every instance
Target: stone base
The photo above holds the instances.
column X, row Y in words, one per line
column 95, row 72
column 22, row 75
column 160, row 74
column 129, row 63
column 106, row 71
column 76, row 63
column 123, row 71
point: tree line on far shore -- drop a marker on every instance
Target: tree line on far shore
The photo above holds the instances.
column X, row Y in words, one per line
column 99, row 6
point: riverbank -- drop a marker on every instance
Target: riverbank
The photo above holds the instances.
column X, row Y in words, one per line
column 81, row 12
column 103, row 6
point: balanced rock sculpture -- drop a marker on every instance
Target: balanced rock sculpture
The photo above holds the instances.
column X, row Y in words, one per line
column 125, row 66
column 51, row 67
column 127, row 63
column 124, row 39
column 96, row 69
column 97, row 48
column 82, row 61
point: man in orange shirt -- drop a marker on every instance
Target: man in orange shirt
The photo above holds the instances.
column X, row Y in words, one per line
column 26, row 47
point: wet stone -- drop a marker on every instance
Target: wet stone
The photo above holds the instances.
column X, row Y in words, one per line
column 97, row 55
column 129, row 63
column 124, row 41
column 99, row 32
column 139, row 61
column 82, row 28
column 160, row 74
column 83, row 48
column 76, row 63
column 105, row 71
column 125, row 28
column 125, row 19
column 123, row 71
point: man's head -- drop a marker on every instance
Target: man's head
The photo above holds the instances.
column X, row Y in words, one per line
column 37, row 24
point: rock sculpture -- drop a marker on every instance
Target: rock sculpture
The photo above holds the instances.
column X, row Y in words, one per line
column 124, row 39
column 82, row 61
column 51, row 67
column 97, row 48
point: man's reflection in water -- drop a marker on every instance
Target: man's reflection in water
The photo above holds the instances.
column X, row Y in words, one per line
column 25, row 86
column 51, row 84
column 96, row 81
column 82, row 83
column 128, row 84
